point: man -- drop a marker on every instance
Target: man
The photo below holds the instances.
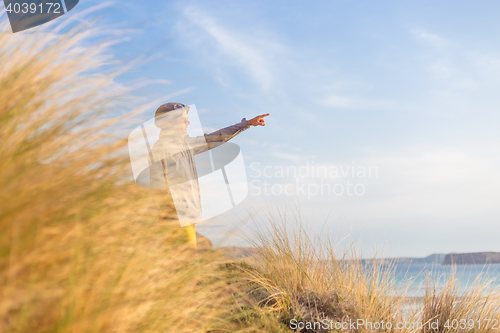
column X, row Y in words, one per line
column 173, row 159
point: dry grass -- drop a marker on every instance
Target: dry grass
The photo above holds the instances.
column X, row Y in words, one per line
column 295, row 277
column 81, row 247
column 476, row 310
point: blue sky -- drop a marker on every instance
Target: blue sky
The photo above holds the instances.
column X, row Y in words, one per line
column 410, row 88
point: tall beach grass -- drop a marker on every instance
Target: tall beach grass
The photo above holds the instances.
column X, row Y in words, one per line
column 294, row 278
column 81, row 247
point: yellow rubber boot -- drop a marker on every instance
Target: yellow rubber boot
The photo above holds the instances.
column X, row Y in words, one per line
column 191, row 234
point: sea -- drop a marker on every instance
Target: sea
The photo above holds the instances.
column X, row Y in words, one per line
column 421, row 276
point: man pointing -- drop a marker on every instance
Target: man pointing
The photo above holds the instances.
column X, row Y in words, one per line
column 173, row 159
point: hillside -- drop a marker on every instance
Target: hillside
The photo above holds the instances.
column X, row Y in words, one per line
column 472, row 258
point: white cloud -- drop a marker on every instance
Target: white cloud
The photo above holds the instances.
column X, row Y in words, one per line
column 487, row 64
column 357, row 103
column 250, row 55
column 441, row 69
column 290, row 157
column 437, row 184
column 336, row 101
column 429, row 38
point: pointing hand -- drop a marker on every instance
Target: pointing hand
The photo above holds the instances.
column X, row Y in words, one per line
column 258, row 121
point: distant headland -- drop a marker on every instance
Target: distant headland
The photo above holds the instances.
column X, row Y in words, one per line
column 472, row 258
column 478, row 258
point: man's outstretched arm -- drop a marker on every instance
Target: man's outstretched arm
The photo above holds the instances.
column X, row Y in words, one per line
column 225, row 134
column 212, row 140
